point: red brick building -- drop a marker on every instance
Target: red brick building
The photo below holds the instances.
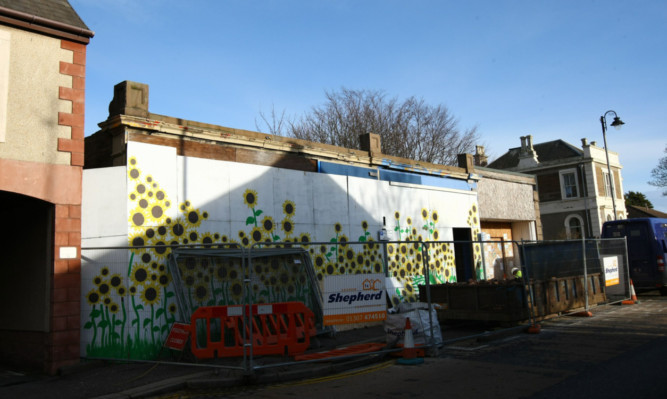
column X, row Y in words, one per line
column 42, row 91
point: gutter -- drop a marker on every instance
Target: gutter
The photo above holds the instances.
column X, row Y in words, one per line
column 46, row 26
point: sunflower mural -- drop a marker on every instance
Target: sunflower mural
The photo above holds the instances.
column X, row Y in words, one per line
column 405, row 260
column 473, row 222
column 133, row 306
column 133, row 309
column 338, row 257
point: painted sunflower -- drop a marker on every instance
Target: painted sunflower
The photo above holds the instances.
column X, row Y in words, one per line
column 267, row 224
column 201, row 293
column 150, row 295
column 93, row 297
column 139, row 274
column 289, row 208
column 250, row 198
column 256, row 234
column 287, row 226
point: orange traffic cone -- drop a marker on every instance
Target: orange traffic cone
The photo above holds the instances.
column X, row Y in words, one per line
column 534, row 329
column 633, row 296
column 409, row 353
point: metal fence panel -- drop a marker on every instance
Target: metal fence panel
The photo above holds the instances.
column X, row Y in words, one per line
column 559, row 265
column 138, row 293
column 613, row 254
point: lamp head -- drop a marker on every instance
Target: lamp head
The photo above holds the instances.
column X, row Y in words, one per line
column 617, row 123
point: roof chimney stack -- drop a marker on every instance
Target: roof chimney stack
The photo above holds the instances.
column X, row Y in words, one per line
column 527, row 155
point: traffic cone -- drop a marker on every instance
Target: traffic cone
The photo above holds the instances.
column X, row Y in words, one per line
column 409, row 353
column 534, row 329
column 633, row 296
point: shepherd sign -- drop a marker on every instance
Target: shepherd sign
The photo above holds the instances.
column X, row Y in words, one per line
column 610, row 264
column 358, row 298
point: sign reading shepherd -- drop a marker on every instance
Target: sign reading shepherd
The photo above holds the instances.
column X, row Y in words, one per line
column 357, row 298
column 610, row 264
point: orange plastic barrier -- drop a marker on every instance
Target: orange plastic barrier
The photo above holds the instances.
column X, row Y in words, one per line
column 277, row 328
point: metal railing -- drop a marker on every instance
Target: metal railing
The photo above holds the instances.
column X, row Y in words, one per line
column 134, row 294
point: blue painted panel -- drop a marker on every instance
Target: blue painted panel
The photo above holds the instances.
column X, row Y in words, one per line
column 346, row 170
column 393, row 175
column 424, row 180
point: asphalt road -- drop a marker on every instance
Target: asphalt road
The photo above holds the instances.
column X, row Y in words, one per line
column 620, row 352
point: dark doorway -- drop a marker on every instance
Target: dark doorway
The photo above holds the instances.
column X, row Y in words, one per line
column 26, row 245
column 463, row 255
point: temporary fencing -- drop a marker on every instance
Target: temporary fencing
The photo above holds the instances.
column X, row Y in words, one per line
column 514, row 281
column 270, row 298
column 345, row 282
column 577, row 273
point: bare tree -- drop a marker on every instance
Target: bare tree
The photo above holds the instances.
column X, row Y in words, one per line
column 409, row 129
column 659, row 174
column 274, row 123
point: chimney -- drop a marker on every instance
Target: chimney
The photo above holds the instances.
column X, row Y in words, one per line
column 466, row 162
column 480, row 157
column 523, row 145
column 129, row 98
column 371, row 143
column 527, row 155
column 584, row 142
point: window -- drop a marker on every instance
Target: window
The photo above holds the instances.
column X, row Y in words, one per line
column 574, row 227
column 568, row 183
column 607, row 184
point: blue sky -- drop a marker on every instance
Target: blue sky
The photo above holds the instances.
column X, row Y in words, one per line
column 510, row 68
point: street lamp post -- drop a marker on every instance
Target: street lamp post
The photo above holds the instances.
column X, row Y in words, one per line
column 617, row 123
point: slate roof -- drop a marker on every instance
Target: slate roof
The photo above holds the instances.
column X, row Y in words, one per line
column 59, row 11
column 549, row 151
column 641, row 212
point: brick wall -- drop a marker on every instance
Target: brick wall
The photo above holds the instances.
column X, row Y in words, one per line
column 75, row 94
column 63, row 341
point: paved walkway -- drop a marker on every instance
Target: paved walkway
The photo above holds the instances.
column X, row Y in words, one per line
column 105, row 379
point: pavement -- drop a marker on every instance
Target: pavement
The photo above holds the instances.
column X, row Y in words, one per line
column 109, row 379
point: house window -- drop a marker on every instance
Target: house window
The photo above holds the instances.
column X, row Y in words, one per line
column 607, row 184
column 568, row 184
column 574, row 227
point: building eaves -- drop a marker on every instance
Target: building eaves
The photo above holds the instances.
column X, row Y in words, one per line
column 51, row 17
column 505, row 175
column 160, row 125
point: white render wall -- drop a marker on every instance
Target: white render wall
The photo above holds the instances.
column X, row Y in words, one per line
column 217, row 187
column 225, row 202
column 31, row 126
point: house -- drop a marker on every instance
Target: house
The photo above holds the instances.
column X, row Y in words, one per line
column 574, row 185
column 42, row 91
